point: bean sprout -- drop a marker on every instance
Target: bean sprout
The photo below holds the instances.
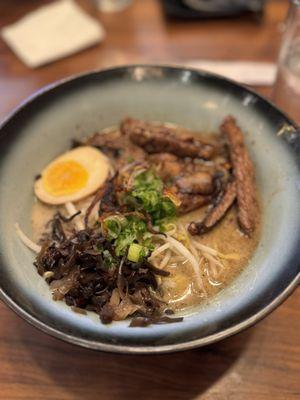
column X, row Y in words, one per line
column 188, row 255
column 25, row 239
column 160, row 249
column 166, row 259
column 71, row 209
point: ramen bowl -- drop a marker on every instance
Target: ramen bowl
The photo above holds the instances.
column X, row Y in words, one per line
column 43, row 126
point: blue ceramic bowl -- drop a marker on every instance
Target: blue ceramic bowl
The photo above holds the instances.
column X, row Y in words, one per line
column 42, row 127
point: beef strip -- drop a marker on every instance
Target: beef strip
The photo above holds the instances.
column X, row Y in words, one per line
column 158, row 158
column 194, row 183
column 117, row 146
column 159, row 138
column 166, row 165
column 193, row 179
column 190, row 176
column 243, row 171
column 223, row 204
column 197, row 183
column 110, row 140
column 190, row 202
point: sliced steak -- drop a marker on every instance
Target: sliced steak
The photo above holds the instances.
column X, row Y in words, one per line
column 117, row 146
column 111, row 139
column 161, row 139
column 166, row 165
column 216, row 213
column 243, row 171
column 197, row 183
column 190, row 202
column 158, row 158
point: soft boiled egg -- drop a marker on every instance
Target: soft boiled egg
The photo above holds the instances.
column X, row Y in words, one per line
column 72, row 176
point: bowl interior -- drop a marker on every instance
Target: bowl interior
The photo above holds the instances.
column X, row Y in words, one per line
column 44, row 127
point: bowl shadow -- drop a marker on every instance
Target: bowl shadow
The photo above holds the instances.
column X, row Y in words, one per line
column 86, row 374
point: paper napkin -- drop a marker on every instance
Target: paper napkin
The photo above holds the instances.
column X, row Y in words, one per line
column 52, row 32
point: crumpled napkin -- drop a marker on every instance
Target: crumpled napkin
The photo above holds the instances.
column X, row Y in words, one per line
column 52, row 32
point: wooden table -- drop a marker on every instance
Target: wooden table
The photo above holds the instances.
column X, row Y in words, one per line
column 261, row 363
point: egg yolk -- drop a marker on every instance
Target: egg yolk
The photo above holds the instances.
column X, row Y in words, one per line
column 64, row 177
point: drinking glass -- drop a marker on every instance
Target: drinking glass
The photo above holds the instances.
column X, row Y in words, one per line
column 287, row 86
column 112, row 5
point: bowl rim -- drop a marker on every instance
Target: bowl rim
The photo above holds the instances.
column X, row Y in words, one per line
column 145, row 349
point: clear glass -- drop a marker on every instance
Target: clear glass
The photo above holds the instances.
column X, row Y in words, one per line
column 287, row 86
column 112, row 5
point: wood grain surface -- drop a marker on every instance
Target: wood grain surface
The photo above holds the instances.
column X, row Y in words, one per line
column 260, row 363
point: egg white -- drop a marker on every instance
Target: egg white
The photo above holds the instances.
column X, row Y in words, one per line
column 92, row 160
